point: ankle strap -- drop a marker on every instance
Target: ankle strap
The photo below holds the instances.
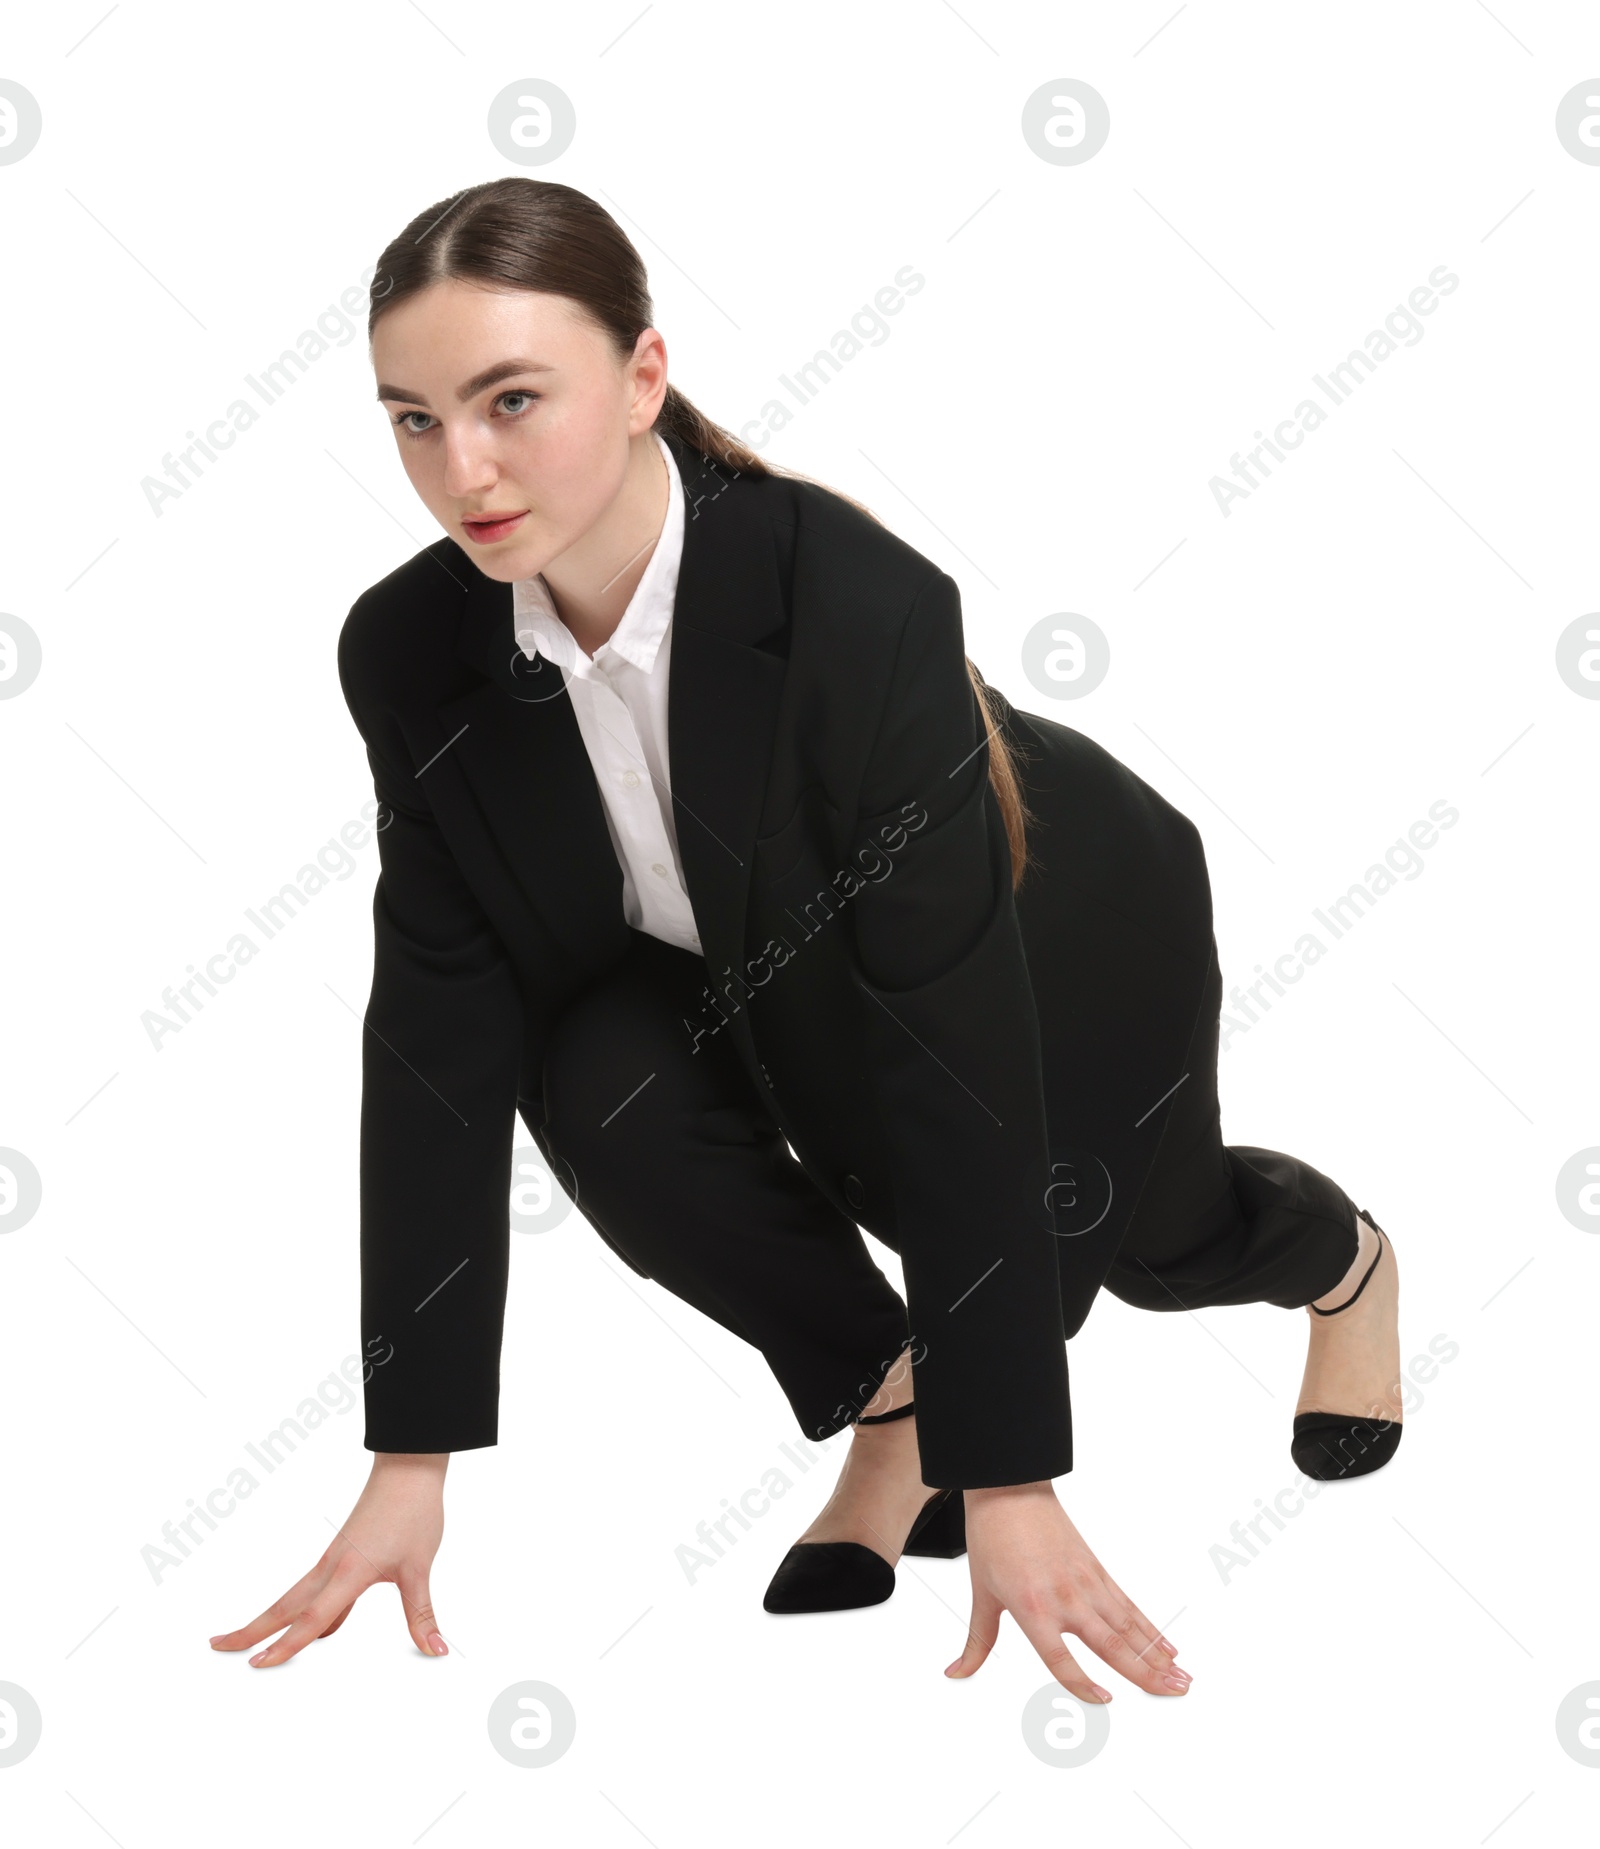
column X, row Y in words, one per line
column 1364, row 1276
column 882, row 1418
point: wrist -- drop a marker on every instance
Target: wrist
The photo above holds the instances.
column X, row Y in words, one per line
column 1010, row 1492
column 427, row 1463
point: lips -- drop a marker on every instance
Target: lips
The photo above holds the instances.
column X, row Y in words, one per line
column 485, row 530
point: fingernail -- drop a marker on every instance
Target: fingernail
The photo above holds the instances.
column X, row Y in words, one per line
column 1181, row 1674
column 1103, row 1693
column 1178, row 1682
column 1170, row 1648
column 257, row 1658
column 438, row 1645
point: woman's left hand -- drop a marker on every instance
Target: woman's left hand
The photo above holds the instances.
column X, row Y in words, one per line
column 1027, row 1558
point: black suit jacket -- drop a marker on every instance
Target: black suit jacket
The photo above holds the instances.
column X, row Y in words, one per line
column 849, row 873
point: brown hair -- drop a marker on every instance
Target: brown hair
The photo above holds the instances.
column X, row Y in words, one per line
column 521, row 233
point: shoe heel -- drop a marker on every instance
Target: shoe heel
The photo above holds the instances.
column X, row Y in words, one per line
column 940, row 1531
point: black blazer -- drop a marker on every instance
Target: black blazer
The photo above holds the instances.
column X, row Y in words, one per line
column 849, row 872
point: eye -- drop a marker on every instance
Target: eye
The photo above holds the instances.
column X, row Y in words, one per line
column 403, row 420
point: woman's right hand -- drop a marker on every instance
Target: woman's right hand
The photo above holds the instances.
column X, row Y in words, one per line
column 391, row 1537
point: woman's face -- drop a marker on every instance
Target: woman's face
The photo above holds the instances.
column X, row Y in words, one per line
column 512, row 403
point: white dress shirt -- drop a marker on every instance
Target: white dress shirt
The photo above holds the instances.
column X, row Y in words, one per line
column 619, row 695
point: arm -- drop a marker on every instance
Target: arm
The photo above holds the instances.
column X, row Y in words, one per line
column 439, row 1082
column 956, row 1064
column 953, row 1043
column 441, row 1055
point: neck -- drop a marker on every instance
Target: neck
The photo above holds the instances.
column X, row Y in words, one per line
column 592, row 582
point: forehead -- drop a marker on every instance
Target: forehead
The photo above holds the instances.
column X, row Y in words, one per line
column 452, row 318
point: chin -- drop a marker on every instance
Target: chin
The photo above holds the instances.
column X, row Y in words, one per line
column 503, row 571
column 505, row 564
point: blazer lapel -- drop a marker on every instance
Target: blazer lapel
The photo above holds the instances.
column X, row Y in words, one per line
column 516, row 737
column 722, row 707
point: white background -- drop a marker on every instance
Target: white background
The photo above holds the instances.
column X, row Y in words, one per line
column 1372, row 631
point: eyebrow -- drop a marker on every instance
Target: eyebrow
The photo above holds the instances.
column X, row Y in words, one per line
column 492, row 375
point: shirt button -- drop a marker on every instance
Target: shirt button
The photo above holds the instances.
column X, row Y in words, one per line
column 630, row 778
column 659, row 869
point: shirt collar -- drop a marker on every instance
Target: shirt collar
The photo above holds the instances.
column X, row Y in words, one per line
column 638, row 637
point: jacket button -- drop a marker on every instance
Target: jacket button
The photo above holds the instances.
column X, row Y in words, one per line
column 854, row 1193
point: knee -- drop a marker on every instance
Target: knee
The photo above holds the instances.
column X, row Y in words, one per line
column 586, row 1096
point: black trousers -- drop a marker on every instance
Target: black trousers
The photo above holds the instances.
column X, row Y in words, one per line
column 675, row 1161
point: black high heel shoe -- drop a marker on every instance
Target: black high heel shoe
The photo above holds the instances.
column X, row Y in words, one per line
column 845, row 1575
column 1333, row 1445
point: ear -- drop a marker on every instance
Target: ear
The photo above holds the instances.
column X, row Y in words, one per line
column 647, row 374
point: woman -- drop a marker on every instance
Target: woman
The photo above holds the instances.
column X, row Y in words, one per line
column 801, row 902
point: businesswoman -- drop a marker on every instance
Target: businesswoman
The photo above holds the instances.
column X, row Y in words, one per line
column 705, row 842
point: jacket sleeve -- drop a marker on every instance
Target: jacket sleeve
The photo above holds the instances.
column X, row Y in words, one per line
column 953, row 1043
column 441, row 1052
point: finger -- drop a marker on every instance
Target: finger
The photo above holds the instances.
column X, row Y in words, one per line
column 1125, row 1620
column 1045, row 1636
column 412, row 1585
column 340, row 1619
column 1162, row 1642
column 311, row 1621
column 1117, row 1638
column 981, row 1633
column 278, row 1613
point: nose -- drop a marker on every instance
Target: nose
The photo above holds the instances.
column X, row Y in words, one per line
column 469, row 463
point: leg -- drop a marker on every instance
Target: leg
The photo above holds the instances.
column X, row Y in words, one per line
column 1217, row 1224
column 1358, row 1349
column 1220, row 1224
column 674, row 1160
column 880, row 1490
